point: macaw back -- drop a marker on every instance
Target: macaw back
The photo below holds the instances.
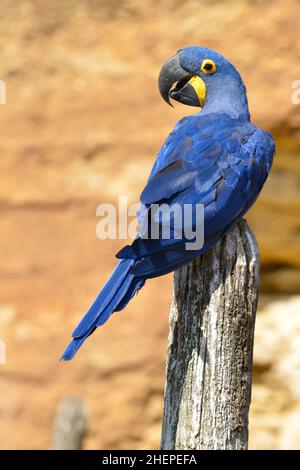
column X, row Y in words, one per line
column 213, row 160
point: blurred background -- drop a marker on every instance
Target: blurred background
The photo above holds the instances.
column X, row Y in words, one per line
column 82, row 124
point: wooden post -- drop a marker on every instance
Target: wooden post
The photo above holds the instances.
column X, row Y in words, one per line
column 209, row 360
column 70, row 424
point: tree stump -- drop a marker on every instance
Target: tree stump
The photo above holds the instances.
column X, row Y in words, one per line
column 210, row 350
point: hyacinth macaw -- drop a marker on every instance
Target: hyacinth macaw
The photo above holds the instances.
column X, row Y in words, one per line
column 215, row 157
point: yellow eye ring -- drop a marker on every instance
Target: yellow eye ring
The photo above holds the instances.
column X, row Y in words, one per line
column 208, row 67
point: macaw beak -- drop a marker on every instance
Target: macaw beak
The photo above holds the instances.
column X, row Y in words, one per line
column 190, row 89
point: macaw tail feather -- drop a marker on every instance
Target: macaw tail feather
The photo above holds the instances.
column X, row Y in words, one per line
column 115, row 295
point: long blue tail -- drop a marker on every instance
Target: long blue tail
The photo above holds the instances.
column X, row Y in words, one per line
column 115, row 295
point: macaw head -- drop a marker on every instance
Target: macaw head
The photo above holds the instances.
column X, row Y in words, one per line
column 201, row 76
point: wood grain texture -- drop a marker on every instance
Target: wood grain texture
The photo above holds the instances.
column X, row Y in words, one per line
column 210, row 350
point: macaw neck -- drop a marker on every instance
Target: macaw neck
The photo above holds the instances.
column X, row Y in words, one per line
column 226, row 95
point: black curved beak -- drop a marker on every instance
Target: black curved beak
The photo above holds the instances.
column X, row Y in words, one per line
column 184, row 91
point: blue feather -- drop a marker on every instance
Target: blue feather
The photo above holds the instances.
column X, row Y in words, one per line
column 114, row 296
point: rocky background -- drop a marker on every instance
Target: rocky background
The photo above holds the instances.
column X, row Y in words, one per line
column 82, row 124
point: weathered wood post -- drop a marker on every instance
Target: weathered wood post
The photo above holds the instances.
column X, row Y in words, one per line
column 70, row 424
column 209, row 360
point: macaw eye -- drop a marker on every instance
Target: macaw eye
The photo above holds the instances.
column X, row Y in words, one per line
column 208, row 67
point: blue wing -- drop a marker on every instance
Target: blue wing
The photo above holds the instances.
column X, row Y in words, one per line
column 212, row 160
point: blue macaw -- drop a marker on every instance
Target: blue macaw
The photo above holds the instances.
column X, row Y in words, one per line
column 215, row 157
